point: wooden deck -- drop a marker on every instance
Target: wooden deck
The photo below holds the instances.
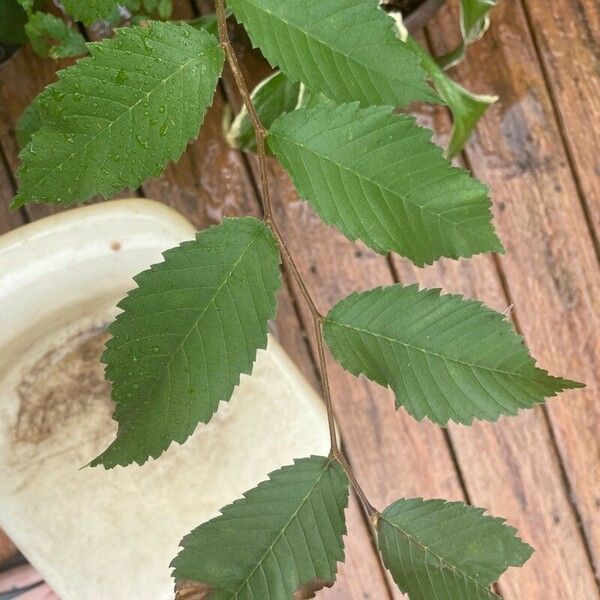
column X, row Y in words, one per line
column 539, row 150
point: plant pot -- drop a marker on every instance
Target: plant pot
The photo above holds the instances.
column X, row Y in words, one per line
column 94, row 533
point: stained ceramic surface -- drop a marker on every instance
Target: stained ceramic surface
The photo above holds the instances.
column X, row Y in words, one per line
column 97, row 534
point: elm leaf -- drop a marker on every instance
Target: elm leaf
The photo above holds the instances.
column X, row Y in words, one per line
column 445, row 357
column 439, row 550
column 186, row 334
column 281, row 541
column 120, row 115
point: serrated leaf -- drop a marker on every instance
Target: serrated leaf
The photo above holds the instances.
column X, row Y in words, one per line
column 445, row 357
column 438, row 550
column 377, row 177
column 186, row 334
column 282, row 541
column 122, row 114
column 51, row 37
column 336, row 47
column 89, row 11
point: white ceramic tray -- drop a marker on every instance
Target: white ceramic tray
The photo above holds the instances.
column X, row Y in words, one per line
column 110, row 535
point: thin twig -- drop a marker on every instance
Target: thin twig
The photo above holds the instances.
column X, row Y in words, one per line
column 371, row 510
column 259, row 130
column 288, row 260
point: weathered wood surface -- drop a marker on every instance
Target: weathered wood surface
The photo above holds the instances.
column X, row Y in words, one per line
column 536, row 149
column 550, row 269
column 567, row 37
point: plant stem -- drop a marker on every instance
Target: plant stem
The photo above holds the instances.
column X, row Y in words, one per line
column 288, row 261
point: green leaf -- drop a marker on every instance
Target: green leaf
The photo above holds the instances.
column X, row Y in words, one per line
column 376, row 176
column 466, row 108
column 51, row 37
column 474, row 18
column 164, row 8
column 273, row 96
column 209, row 22
column 89, row 11
column 161, row 8
column 345, row 49
column 186, row 333
column 27, row 4
column 280, row 542
column 438, row 550
column 12, row 23
column 119, row 116
column 445, row 357
column 474, row 22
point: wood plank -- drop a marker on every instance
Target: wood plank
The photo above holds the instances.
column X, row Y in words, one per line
column 9, row 219
column 550, row 266
column 567, row 35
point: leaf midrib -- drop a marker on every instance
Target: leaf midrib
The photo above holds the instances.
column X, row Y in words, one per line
column 473, row 366
column 284, row 528
column 128, row 111
column 209, row 302
column 125, row 426
column 444, row 562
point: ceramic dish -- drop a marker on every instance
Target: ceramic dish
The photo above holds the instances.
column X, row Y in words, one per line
column 110, row 535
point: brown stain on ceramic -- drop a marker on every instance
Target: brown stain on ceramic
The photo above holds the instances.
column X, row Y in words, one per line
column 66, row 383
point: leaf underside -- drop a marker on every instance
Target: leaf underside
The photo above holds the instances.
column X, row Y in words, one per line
column 273, row 96
column 186, row 333
column 445, row 357
column 282, row 541
column 345, row 49
column 120, row 115
column 438, row 550
column 377, row 177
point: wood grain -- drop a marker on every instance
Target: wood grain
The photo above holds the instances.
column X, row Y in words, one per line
column 511, row 467
column 550, row 267
column 567, row 36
